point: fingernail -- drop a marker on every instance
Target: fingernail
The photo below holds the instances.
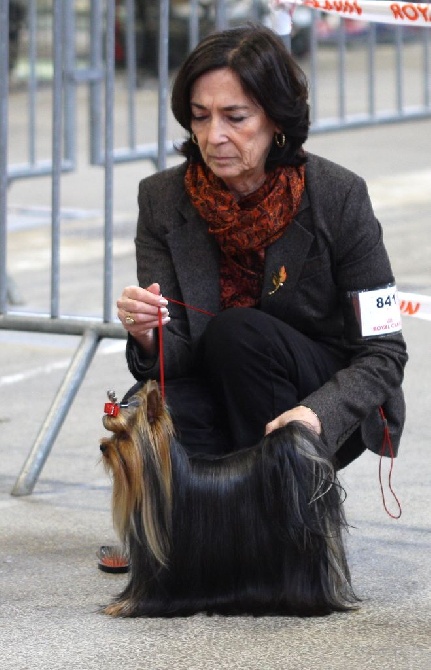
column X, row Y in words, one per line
column 163, row 301
column 166, row 320
column 164, row 311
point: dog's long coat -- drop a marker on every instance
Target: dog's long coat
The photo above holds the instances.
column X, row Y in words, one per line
column 258, row 531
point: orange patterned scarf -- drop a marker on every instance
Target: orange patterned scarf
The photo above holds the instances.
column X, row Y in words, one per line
column 244, row 228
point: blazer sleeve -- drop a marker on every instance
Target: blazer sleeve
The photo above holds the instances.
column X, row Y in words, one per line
column 157, row 216
column 376, row 364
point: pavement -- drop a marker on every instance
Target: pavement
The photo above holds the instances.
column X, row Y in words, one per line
column 51, row 589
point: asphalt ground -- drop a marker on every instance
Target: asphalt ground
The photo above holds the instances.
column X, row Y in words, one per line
column 50, row 586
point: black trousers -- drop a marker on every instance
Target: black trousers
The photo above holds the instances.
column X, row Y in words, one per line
column 250, row 368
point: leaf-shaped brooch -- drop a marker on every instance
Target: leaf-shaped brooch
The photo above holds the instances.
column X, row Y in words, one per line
column 278, row 279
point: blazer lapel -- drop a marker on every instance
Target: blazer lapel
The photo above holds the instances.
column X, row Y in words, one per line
column 196, row 258
column 287, row 254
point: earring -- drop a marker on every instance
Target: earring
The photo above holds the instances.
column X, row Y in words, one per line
column 280, row 140
column 194, row 139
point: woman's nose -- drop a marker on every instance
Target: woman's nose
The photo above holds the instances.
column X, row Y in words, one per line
column 215, row 132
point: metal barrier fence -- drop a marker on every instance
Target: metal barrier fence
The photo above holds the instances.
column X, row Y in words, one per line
column 85, row 43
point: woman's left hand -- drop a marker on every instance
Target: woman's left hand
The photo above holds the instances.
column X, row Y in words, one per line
column 299, row 413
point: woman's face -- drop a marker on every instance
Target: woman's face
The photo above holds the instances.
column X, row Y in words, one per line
column 234, row 134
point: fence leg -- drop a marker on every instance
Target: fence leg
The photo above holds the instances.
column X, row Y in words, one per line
column 13, row 295
column 36, row 459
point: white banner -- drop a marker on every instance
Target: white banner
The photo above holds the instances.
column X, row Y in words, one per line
column 412, row 304
column 378, row 11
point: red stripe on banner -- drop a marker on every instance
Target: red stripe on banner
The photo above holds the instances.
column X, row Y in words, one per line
column 377, row 11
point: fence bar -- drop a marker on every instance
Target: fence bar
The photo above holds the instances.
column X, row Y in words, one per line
column 427, row 68
column 25, row 483
column 40, row 323
column 32, row 82
column 131, row 71
column 4, row 110
column 163, row 82
column 109, row 160
column 68, row 31
column 342, row 70
column 57, row 106
column 95, row 98
column 363, row 121
column 398, row 69
column 313, row 85
column 220, row 15
column 40, row 169
column 193, row 24
column 371, row 71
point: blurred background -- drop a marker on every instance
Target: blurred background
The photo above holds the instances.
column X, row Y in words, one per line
column 86, row 114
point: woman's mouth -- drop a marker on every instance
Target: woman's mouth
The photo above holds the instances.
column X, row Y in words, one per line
column 221, row 159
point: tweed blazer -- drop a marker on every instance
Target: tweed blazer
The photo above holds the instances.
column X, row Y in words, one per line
column 334, row 245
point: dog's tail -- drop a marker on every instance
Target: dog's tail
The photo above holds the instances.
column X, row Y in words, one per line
column 311, row 513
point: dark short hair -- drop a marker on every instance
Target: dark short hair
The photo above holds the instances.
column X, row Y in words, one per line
column 269, row 76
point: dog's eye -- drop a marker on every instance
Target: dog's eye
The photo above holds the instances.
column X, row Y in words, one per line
column 103, row 448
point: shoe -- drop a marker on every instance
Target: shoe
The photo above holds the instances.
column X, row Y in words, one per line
column 112, row 559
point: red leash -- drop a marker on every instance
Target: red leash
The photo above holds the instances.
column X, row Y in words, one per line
column 387, row 442
column 161, row 355
column 184, row 304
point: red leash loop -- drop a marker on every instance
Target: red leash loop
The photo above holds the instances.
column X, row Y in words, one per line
column 161, row 346
column 387, row 442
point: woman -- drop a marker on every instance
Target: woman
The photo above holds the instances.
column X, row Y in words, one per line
column 282, row 247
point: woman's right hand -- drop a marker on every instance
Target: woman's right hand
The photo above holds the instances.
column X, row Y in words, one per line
column 138, row 311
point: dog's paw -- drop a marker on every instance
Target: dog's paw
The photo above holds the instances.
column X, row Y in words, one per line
column 120, row 608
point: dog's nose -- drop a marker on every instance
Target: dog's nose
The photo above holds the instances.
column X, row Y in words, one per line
column 103, row 448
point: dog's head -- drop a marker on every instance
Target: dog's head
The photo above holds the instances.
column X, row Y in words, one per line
column 144, row 414
column 137, row 455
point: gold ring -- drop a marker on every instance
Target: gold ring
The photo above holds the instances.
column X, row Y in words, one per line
column 130, row 320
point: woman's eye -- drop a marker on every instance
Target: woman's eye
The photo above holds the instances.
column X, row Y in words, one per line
column 198, row 118
column 236, row 119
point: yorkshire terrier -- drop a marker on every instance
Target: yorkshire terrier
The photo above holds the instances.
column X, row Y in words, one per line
column 258, row 531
